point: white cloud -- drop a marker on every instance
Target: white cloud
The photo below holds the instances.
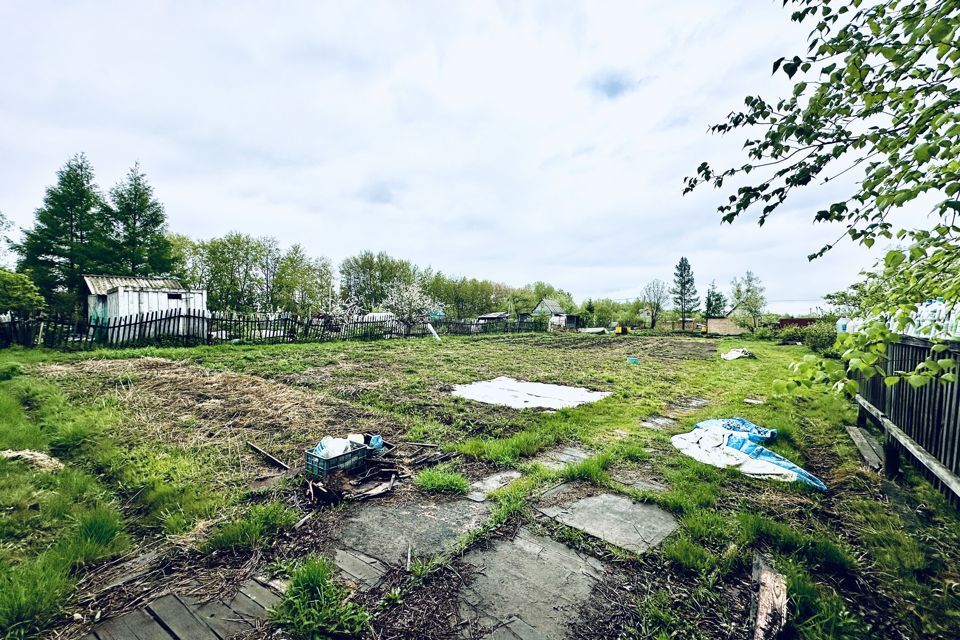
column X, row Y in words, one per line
column 514, row 141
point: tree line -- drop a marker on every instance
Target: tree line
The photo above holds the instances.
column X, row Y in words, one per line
column 79, row 229
column 680, row 302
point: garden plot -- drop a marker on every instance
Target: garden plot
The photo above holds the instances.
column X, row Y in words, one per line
column 518, row 394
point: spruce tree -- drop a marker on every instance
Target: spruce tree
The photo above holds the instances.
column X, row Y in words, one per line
column 715, row 302
column 136, row 227
column 66, row 239
column 684, row 291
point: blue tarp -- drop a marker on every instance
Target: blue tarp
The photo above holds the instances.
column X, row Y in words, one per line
column 738, row 442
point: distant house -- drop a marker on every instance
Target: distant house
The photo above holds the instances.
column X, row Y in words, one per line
column 497, row 316
column 119, row 296
column 783, row 323
column 726, row 326
column 558, row 318
column 378, row 316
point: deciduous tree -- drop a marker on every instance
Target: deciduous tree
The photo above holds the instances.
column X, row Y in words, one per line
column 18, row 293
column 748, row 298
column 654, row 299
column 875, row 98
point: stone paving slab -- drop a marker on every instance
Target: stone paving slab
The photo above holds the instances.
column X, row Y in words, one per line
column 658, row 422
column 615, row 519
column 528, row 588
column 482, row 488
column 636, row 478
column 386, row 531
column 682, row 406
column 560, row 457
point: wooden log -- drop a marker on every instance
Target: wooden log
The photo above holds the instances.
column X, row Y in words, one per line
column 944, row 475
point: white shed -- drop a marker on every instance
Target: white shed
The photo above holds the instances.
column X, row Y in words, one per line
column 120, row 296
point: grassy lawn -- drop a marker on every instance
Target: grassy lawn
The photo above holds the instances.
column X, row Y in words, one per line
column 153, row 446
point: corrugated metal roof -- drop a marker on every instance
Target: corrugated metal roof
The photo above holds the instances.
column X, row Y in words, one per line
column 494, row 316
column 548, row 305
column 100, row 285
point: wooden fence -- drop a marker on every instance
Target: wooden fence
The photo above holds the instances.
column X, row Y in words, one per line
column 192, row 328
column 922, row 423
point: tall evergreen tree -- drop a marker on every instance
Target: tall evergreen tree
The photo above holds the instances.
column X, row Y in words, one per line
column 715, row 302
column 136, row 228
column 66, row 239
column 684, row 291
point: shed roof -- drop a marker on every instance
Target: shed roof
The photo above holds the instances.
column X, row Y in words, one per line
column 100, row 285
column 549, row 305
column 494, row 316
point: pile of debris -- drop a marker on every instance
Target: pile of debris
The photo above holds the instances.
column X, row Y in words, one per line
column 376, row 475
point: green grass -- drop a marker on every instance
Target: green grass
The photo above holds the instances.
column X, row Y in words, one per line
column 590, row 470
column 442, row 479
column 829, row 546
column 314, row 605
column 689, row 555
column 33, row 591
column 262, row 522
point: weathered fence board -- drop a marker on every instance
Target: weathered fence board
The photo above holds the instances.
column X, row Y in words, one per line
column 923, row 422
column 178, row 327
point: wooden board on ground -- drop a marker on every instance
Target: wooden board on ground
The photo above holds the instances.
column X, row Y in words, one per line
column 771, row 600
column 175, row 616
column 863, row 442
column 219, row 617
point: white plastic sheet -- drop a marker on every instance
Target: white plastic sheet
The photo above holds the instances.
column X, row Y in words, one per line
column 710, row 447
column 525, row 395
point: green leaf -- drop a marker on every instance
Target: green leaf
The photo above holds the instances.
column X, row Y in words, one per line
column 891, row 380
column 916, row 381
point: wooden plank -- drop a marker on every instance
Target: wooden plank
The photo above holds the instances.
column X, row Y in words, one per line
column 268, row 457
column 869, row 455
column 771, row 600
column 175, row 616
column 944, row 475
column 247, row 608
column 260, row 594
column 141, row 626
column 221, row 619
column 113, row 629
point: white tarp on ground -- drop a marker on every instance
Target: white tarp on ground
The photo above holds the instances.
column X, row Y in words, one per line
column 710, row 447
column 526, row 395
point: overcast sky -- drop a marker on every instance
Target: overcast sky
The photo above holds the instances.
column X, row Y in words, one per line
column 501, row 140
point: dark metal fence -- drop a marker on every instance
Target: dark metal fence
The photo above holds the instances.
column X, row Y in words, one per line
column 929, row 416
column 192, row 327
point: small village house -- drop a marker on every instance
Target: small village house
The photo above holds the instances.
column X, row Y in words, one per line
column 727, row 325
column 497, row 316
column 121, row 296
column 558, row 318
